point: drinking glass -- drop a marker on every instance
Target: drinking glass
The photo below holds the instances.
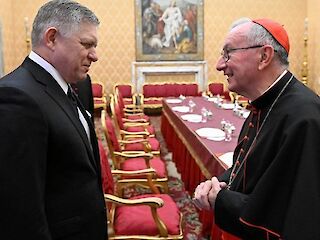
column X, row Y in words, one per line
column 191, row 105
column 204, row 114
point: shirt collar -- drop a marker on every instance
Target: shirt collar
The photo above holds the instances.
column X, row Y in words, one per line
column 277, row 80
column 268, row 96
column 50, row 69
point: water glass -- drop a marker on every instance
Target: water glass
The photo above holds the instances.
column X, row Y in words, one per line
column 191, row 105
column 229, row 129
column 223, row 124
column 204, row 114
column 228, row 133
column 209, row 115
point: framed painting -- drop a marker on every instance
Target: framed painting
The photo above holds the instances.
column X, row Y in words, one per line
column 169, row 30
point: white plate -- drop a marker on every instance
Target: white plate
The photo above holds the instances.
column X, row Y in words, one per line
column 227, row 158
column 227, row 105
column 195, row 118
column 213, row 99
column 246, row 114
column 217, row 139
column 174, row 100
column 212, row 133
column 182, row 109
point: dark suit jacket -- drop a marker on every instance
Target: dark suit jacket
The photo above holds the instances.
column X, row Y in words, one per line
column 49, row 172
column 84, row 91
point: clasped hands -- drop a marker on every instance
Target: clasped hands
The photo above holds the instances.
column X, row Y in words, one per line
column 205, row 194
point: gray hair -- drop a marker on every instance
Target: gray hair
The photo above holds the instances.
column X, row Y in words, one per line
column 259, row 36
column 65, row 15
column 240, row 21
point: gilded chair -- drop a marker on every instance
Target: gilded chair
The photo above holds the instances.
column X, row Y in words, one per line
column 99, row 98
column 129, row 125
column 129, row 114
column 152, row 94
column 215, row 89
column 132, row 141
column 148, row 216
column 129, row 99
column 131, row 160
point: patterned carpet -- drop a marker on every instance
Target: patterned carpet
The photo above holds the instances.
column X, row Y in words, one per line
column 192, row 226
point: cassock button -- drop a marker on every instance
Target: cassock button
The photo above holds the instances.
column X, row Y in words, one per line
column 237, row 163
column 233, row 175
column 241, row 150
column 246, row 138
column 251, row 124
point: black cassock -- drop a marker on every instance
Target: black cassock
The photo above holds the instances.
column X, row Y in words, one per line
column 275, row 190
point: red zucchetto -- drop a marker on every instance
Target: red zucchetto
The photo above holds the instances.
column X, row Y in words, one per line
column 276, row 30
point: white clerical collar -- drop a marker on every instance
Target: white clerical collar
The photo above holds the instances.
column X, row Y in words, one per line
column 50, row 69
column 275, row 82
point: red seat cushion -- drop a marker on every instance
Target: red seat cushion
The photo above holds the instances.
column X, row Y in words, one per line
column 155, row 145
column 138, row 220
column 157, row 163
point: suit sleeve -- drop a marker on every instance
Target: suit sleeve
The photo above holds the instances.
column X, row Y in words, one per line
column 23, row 141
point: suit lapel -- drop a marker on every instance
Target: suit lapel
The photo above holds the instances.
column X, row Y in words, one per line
column 93, row 139
column 56, row 93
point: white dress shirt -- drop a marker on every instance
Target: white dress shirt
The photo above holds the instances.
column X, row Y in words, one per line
column 62, row 83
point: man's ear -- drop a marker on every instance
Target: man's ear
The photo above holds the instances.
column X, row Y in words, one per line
column 50, row 37
column 267, row 53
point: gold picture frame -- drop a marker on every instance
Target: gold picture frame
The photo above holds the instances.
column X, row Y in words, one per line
column 169, row 30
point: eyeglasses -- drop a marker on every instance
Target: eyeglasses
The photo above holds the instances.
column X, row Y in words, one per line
column 225, row 53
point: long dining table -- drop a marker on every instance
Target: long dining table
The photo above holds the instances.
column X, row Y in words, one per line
column 198, row 158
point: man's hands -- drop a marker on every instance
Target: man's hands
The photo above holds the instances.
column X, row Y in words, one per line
column 206, row 193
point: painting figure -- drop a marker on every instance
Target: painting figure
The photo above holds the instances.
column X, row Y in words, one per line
column 172, row 19
column 191, row 16
column 184, row 39
column 169, row 30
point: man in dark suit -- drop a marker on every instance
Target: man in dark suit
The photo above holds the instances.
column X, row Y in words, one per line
column 49, row 160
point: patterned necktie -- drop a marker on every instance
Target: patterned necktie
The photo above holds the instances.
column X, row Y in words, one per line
column 73, row 100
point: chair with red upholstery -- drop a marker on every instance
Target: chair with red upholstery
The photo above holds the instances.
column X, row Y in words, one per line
column 99, row 98
column 127, row 125
column 148, row 216
column 133, row 141
column 106, row 175
column 133, row 114
column 128, row 97
column 228, row 96
column 132, row 160
column 154, row 93
column 215, row 89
